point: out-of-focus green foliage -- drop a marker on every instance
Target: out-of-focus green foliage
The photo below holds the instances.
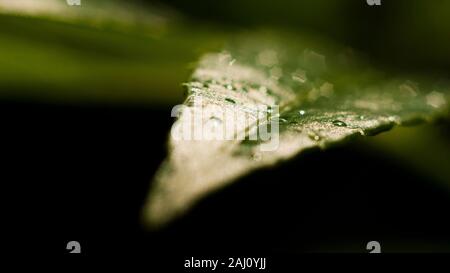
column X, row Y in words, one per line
column 423, row 148
column 128, row 51
column 108, row 53
column 408, row 34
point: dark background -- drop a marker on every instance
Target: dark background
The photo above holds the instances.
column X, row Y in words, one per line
column 84, row 172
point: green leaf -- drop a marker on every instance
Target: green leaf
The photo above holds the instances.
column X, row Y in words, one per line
column 325, row 94
column 101, row 51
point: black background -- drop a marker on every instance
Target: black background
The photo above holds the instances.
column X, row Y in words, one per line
column 83, row 174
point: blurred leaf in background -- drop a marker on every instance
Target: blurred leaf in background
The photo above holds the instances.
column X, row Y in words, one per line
column 402, row 33
column 102, row 51
column 140, row 51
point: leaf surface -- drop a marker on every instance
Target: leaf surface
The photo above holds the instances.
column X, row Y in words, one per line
column 322, row 93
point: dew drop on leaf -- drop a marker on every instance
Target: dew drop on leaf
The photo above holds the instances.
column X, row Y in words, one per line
column 299, row 76
column 268, row 58
column 230, row 100
column 435, row 99
column 339, row 123
column 314, row 136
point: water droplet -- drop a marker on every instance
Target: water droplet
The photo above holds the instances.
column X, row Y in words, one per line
column 302, row 112
column 435, row 99
column 299, row 76
column 314, row 60
column 339, row 123
column 409, row 88
column 326, row 89
column 276, row 72
column 230, row 100
column 268, row 58
column 314, row 136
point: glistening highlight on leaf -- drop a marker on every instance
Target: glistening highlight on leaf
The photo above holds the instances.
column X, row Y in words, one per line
column 325, row 95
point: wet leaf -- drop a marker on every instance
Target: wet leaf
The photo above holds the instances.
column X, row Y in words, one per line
column 315, row 92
